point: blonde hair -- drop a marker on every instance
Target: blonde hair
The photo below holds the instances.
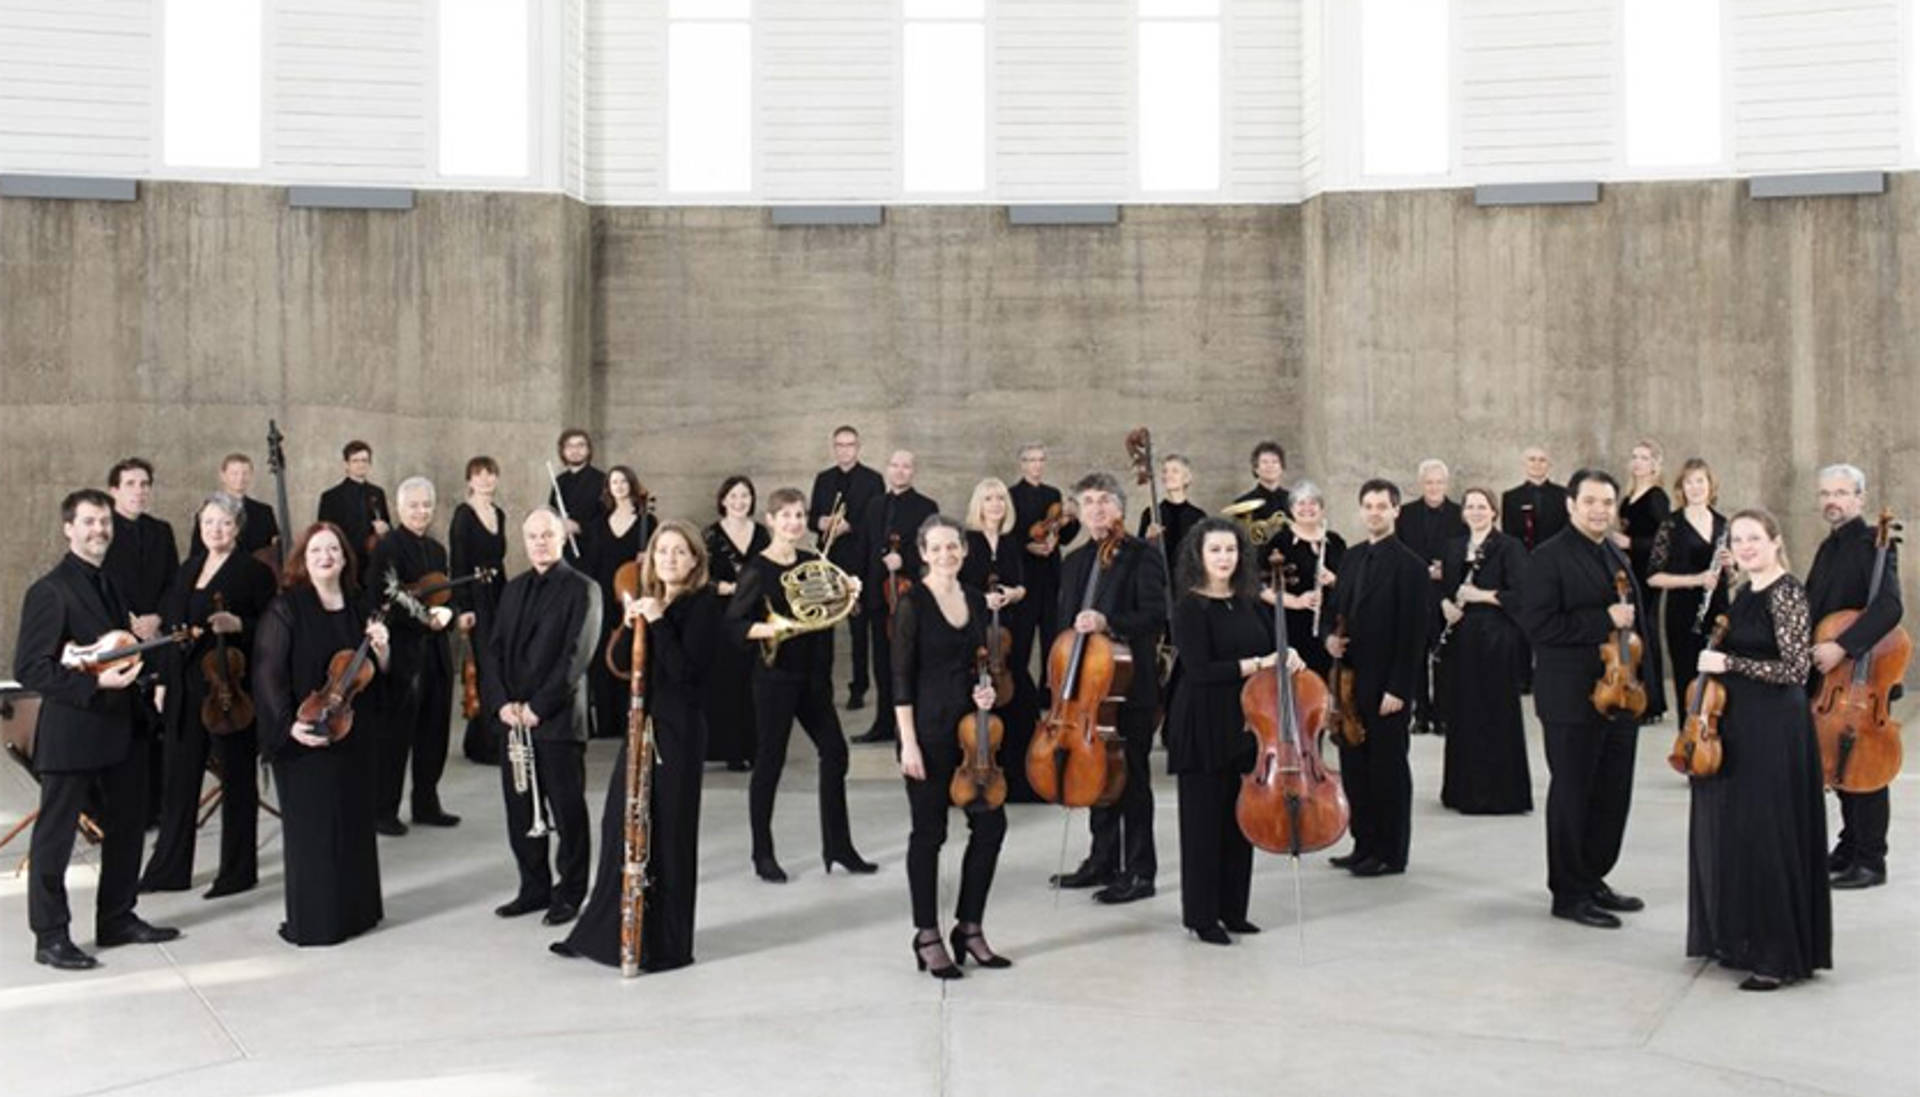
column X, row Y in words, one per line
column 1688, row 468
column 1653, row 447
column 976, row 507
column 651, row 585
column 1771, row 526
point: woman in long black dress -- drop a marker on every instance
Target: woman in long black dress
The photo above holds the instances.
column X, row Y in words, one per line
column 1682, row 564
column 935, row 683
column 731, row 542
column 1757, row 892
column 1224, row 631
column 995, row 565
column 244, row 586
column 1643, row 509
column 682, row 617
column 327, row 788
column 1312, row 554
column 1482, row 666
column 615, row 538
column 477, row 538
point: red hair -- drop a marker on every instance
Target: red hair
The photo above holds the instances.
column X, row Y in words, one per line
column 295, row 572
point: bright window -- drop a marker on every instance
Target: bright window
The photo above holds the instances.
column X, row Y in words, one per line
column 1404, row 94
column 944, row 95
column 709, row 97
column 485, row 51
column 1673, row 82
column 1179, row 95
column 210, row 64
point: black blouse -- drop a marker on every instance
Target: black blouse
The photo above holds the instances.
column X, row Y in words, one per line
column 1002, row 562
column 1640, row 520
column 1178, row 518
column 680, row 649
column 933, row 662
column 1206, row 729
column 298, row 637
column 725, row 559
column 806, row 655
column 470, row 547
column 1502, row 568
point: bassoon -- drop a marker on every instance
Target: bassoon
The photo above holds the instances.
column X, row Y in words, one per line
column 638, row 836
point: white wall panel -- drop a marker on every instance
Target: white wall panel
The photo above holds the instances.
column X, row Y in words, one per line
column 1263, row 94
column 77, row 80
column 350, row 86
column 626, row 118
column 827, row 98
column 1816, row 85
column 1538, row 87
column 1063, row 81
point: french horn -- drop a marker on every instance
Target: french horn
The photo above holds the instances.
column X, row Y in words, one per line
column 819, row 594
column 1259, row 530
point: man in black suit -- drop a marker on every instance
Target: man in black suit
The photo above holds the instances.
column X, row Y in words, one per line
column 88, row 740
column 416, row 693
column 1841, row 578
column 357, row 505
column 855, row 486
column 1269, row 463
column 1569, row 607
column 1039, row 610
column 1424, row 527
column 1382, row 597
column 899, row 510
column 1130, row 604
column 259, row 528
column 535, row 676
column 144, row 557
column 581, row 487
column 1536, row 509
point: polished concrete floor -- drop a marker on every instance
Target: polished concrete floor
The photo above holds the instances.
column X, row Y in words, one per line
column 1450, row 979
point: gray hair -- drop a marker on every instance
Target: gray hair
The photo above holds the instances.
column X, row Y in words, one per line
column 1432, row 464
column 227, row 504
column 1100, row 481
column 416, row 483
column 1304, row 490
column 548, row 511
column 1846, row 472
column 1177, row 459
column 1032, row 447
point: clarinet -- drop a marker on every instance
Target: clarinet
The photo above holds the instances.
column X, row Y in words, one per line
column 1713, row 586
column 1474, row 560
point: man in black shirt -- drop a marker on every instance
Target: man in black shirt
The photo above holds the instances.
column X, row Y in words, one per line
column 1569, row 607
column 1841, row 577
column 1038, row 612
column 536, row 677
column 581, row 489
column 357, row 505
column 890, row 531
column 1269, row 463
column 144, row 557
column 259, row 528
column 1536, row 509
column 1425, row 526
column 854, row 485
column 417, row 691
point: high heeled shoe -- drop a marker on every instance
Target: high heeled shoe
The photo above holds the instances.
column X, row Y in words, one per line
column 849, row 860
column 929, row 961
column 769, row 869
column 963, row 950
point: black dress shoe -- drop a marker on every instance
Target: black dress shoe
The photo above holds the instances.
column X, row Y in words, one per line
column 286, row 934
column 856, row 702
column 560, row 913
column 1346, row 860
column 391, row 826
column 133, row 931
column 1215, row 934
column 1757, row 981
column 1586, row 914
column 739, row 765
column 223, row 888
column 1086, row 876
column 149, row 887
column 64, row 955
column 1240, row 926
column 769, row 870
column 1606, row 898
column 874, row 735
column 435, row 818
column 850, row 860
column 1130, row 889
column 521, row 904
column 1839, row 861
column 1374, row 866
column 1856, row 877
column 561, row 948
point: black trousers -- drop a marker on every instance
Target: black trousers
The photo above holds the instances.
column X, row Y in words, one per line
column 1123, row 832
column 928, row 804
column 170, row 868
column 1042, row 620
column 562, row 766
column 1379, row 785
column 418, row 718
column 1587, row 801
column 860, row 636
column 1216, row 860
column 122, row 801
column 1864, row 817
column 779, row 700
column 883, row 721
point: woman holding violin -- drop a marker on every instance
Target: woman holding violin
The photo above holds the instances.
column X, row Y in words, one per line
column 207, row 705
column 1757, row 894
column 624, row 527
column 326, row 771
column 477, row 538
column 1225, row 635
column 1688, row 561
column 1643, row 510
column 730, row 542
column 1485, row 658
column 996, row 566
column 939, row 645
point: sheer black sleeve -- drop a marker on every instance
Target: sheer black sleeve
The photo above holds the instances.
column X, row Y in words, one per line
column 273, row 698
column 1662, row 550
column 1792, row 632
column 906, row 652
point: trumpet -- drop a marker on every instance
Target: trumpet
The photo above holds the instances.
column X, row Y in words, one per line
column 1259, row 530
column 526, row 775
column 819, row 593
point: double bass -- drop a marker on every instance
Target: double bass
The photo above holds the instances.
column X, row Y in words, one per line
column 1140, row 452
column 978, row 783
column 1076, row 758
column 1289, row 802
column 1620, row 689
column 275, row 554
column 1859, row 738
column 1697, row 748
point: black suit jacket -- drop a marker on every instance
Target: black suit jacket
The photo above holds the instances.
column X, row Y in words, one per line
column 545, row 633
column 353, row 507
column 901, row 514
column 82, row 726
column 1382, row 594
column 415, row 648
column 1133, row 595
column 857, row 487
column 1543, row 505
column 1563, row 608
column 142, row 561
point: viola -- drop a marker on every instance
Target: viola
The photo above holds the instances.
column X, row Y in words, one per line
column 999, row 645
column 1697, row 749
column 1859, row 738
column 227, row 708
column 1076, row 757
column 1619, row 688
column 978, row 783
column 1343, row 710
column 118, row 647
column 1289, row 802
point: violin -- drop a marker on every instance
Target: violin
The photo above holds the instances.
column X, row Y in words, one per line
column 1697, row 749
column 1343, row 711
column 1859, row 738
column 118, row 647
column 999, row 644
column 1619, row 688
column 431, row 591
column 979, row 784
column 1289, row 802
column 1049, row 526
column 376, row 512
column 1076, row 757
column 897, row 584
column 329, row 709
column 227, row 708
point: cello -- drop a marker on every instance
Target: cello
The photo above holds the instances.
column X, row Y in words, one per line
column 1697, row 748
column 1289, row 803
column 1859, row 738
column 978, row 783
column 1619, row 688
column 1076, row 758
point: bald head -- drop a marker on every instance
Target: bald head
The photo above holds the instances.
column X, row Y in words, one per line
column 1537, row 463
column 544, row 534
column 900, row 470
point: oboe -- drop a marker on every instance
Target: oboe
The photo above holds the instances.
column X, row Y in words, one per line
column 1713, row 584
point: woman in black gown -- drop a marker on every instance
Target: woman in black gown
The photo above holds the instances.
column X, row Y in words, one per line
column 1482, row 666
column 731, row 542
column 1643, row 509
column 244, row 586
column 1224, row 631
column 935, row 683
column 682, row 617
column 477, row 538
column 1757, row 892
column 995, row 566
column 615, row 538
column 1682, row 564
column 1309, row 548
column 327, row 789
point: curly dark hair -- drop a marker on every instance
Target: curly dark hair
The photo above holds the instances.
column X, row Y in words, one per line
column 1190, row 568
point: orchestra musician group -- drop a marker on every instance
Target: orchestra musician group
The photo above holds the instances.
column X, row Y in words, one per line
column 326, row 650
